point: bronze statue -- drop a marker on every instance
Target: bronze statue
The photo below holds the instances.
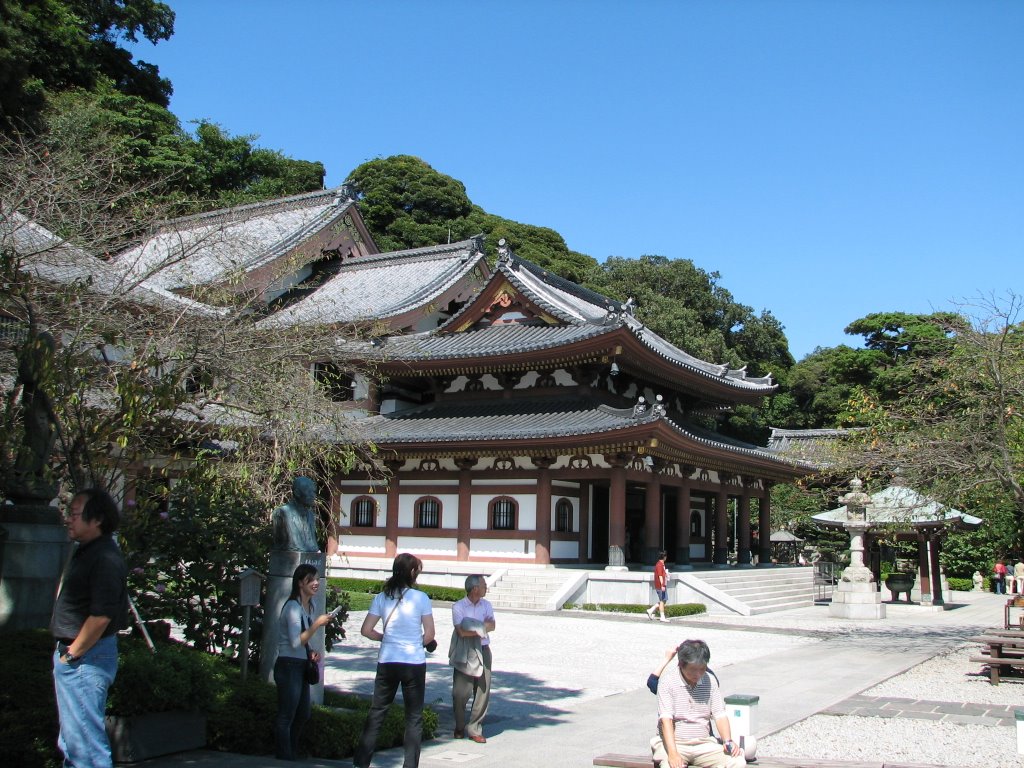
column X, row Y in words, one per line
column 295, row 522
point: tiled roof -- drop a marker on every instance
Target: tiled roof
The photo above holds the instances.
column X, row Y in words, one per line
column 452, row 422
column 383, row 285
column 455, row 422
column 898, row 504
column 497, row 340
column 50, row 258
column 590, row 312
column 204, row 249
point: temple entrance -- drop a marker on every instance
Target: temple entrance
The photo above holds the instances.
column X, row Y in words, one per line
column 599, row 524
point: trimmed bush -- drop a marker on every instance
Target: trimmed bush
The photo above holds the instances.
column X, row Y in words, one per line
column 675, row 610
column 239, row 715
column 372, row 586
column 966, row 585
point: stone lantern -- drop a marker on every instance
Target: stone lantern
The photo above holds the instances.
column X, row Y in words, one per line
column 857, row 596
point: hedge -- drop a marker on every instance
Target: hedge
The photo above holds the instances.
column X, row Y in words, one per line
column 675, row 610
column 373, row 586
column 239, row 715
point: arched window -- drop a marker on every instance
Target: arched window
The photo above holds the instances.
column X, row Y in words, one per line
column 428, row 512
column 563, row 516
column 503, row 513
column 363, row 512
column 695, row 528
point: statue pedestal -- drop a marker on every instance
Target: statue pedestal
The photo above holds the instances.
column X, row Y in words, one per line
column 33, row 548
column 616, row 559
column 279, row 586
column 857, row 597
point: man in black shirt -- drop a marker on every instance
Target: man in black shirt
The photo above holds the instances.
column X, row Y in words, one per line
column 90, row 609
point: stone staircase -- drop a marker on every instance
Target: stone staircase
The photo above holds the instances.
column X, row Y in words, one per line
column 761, row 590
column 527, row 588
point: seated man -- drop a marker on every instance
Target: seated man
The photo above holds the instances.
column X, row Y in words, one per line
column 688, row 699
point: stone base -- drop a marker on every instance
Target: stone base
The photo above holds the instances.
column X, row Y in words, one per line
column 32, row 558
column 142, row 737
column 856, row 600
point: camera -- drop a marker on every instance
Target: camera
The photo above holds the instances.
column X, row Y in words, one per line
column 431, row 646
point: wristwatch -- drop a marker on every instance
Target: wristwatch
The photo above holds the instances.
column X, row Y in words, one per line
column 728, row 746
column 69, row 657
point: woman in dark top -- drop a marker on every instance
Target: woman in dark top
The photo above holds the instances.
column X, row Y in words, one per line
column 297, row 627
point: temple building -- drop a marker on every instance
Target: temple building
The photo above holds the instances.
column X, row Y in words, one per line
column 522, row 417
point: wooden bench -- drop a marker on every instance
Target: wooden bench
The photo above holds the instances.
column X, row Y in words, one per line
column 999, row 651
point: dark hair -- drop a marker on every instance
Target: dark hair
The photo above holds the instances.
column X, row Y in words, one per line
column 100, row 505
column 302, row 573
column 404, row 571
column 693, row 652
column 663, row 555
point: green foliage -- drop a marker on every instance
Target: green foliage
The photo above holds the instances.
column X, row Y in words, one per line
column 674, row 611
column 407, row 204
column 239, row 714
column 373, row 586
column 53, row 45
column 966, row 584
column 186, row 546
column 28, row 706
column 175, row 677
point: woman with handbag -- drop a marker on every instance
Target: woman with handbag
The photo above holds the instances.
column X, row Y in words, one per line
column 295, row 660
column 408, row 625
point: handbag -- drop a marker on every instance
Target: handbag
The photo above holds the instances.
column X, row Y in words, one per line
column 312, row 667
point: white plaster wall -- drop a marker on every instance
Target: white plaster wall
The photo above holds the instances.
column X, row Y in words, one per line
column 449, row 510
column 480, row 520
column 380, row 516
column 523, row 481
column 361, row 543
column 502, row 547
column 424, row 545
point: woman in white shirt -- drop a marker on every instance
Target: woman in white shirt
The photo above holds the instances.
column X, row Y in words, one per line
column 296, row 628
column 408, row 625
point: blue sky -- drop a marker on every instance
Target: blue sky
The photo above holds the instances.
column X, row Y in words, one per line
column 829, row 159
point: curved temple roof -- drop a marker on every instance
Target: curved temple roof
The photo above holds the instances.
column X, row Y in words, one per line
column 899, row 505
column 385, row 285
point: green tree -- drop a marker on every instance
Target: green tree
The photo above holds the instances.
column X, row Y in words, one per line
column 47, row 46
column 955, row 429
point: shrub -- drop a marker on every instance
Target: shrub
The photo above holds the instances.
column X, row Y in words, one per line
column 239, row 714
column 676, row 610
column 373, row 586
column 175, row 677
column 967, row 585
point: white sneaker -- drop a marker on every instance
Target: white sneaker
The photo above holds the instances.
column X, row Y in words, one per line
column 662, row 619
column 650, row 615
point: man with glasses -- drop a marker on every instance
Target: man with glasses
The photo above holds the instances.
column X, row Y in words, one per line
column 688, row 700
column 473, row 621
column 91, row 607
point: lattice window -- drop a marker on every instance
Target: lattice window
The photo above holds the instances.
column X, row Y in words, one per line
column 363, row 512
column 503, row 513
column 428, row 512
column 563, row 516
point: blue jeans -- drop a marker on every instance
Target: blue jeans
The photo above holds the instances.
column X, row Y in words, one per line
column 81, row 689
column 292, row 706
column 413, row 679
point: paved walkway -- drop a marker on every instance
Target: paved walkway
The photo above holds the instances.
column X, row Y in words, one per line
column 571, row 685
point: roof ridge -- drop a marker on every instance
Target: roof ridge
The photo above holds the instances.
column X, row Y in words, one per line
column 340, row 193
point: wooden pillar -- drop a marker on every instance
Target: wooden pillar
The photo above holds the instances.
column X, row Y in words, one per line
column 652, row 517
column 543, row 546
column 584, row 535
column 924, row 569
column 764, row 528
column 721, row 524
column 617, row 512
column 683, row 512
column 743, row 532
column 465, row 506
column 391, row 521
column 935, row 544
